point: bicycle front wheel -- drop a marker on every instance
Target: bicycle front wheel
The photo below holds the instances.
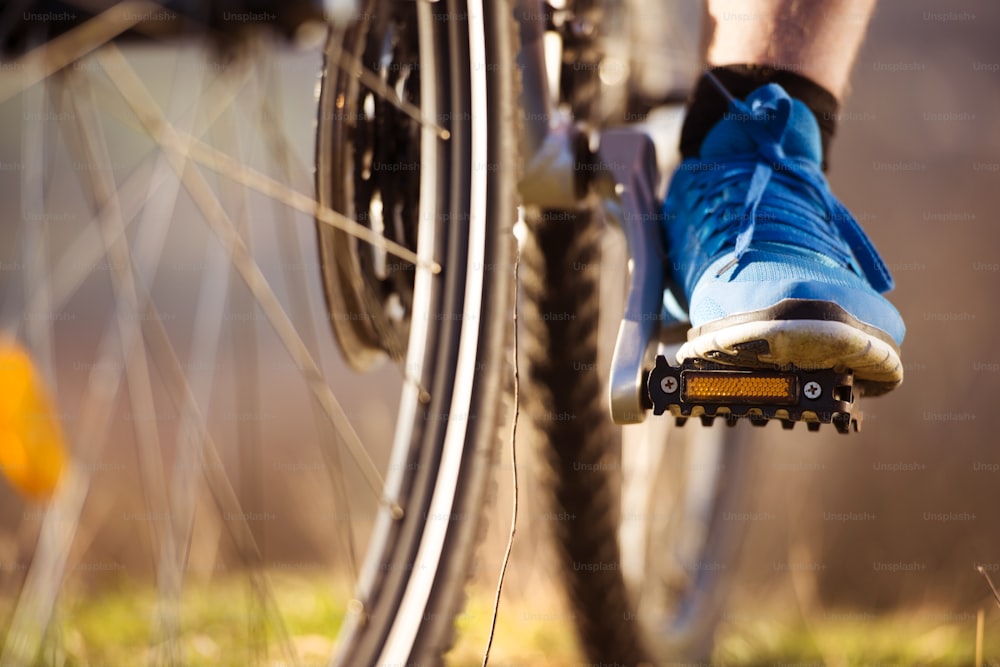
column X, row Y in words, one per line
column 643, row 529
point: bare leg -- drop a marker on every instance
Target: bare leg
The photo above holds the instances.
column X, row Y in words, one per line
column 817, row 39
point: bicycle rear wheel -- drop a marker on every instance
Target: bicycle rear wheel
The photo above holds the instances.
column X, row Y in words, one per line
column 171, row 347
column 389, row 168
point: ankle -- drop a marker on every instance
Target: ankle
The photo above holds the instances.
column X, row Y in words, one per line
column 708, row 105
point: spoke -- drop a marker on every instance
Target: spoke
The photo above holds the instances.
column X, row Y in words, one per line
column 208, row 461
column 93, row 147
column 38, row 320
column 42, row 585
column 193, row 449
column 282, row 147
column 58, row 536
column 137, row 96
column 142, row 339
column 271, row 118
column 59, row 52
column 138, row 191
column 36, row 600
column 47, row 569
column 220, row 162
column 245, row 345
column 268, row 115
column 353, row 66
column 140, row 311
column 183, row 143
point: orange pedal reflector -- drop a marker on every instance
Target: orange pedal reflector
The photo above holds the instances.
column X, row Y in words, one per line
column 723, row 387
column 32, row 449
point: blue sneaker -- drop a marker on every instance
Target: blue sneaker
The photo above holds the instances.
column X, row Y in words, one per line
column 770, row 266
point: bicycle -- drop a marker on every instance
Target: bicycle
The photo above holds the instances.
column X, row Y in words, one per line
column 423, row 110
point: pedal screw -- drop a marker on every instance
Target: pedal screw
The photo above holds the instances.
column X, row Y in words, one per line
column 812, row 390
column 668, row 384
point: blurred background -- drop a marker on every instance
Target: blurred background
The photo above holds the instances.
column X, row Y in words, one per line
column 890, row 520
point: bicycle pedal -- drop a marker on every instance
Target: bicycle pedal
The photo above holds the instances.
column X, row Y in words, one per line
column 698, row 388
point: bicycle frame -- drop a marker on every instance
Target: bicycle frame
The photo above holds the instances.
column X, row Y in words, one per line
column 550, row 143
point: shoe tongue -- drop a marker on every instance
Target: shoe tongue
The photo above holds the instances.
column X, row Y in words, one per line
column 788, row 122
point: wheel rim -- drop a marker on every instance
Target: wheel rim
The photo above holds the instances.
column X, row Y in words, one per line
column 456, row 194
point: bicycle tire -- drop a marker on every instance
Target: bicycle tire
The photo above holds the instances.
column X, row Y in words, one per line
column 617, row 617
column 410, row 619
column 587, row 479
column 564, row 402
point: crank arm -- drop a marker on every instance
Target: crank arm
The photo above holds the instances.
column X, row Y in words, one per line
column 698, row 388
column 627, row 187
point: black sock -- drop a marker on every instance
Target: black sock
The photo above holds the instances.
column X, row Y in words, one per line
column 708, row 105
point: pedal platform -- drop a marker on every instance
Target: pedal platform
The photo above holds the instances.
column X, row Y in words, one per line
column 698, row 388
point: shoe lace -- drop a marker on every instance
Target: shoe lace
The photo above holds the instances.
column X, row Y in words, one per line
column 766, row 124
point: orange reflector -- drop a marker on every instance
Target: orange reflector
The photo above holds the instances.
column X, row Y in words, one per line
column 32, row 453
column 721, row 387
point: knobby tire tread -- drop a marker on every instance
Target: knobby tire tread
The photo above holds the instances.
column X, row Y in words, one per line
column 565, row 400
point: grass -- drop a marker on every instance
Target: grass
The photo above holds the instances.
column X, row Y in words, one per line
column 222, row 626
column 915, row 638
column 222, row 623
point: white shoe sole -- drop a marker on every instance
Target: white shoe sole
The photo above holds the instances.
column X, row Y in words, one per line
column 807, row 344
